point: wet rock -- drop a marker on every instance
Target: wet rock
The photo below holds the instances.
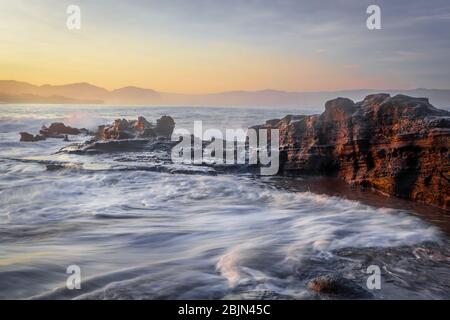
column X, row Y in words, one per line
column 165, row 126
column 117, row 131
column 62, row 166
column 132, row 145
column 27, row 137
column 398, row 146
column 338, row 287
column 113, row 146
column 193, row 171
column 58, row 130
column 122, row 129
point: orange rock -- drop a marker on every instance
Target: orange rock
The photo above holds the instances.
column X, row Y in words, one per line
column 398, row 146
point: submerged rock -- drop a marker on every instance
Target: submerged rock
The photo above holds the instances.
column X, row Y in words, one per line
column 397, row 145
column 338, row 287
column 112, row 146
column 92, row 147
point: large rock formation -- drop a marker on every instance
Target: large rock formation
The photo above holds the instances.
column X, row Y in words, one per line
column 397, row 145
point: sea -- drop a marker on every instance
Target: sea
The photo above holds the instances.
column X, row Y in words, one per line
column 133, row 232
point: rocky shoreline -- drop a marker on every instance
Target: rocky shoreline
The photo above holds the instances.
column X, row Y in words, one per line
column 120, row 129
column 398, row 146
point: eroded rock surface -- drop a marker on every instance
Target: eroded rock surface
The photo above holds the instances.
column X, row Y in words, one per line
column 122, row 129
column 397, row 145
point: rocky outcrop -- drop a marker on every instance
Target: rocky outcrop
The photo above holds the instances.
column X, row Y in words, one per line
column 397, row 145
column 27, row 137
column 338, row 287
column 128, row 136
column 59, row 130
column 122, row 129
column 56, row 130
column 165, row 126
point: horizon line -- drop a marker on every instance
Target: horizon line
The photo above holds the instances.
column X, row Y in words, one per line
column 217, row 92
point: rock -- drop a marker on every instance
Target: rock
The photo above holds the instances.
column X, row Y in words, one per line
column 272, row 122
column 58, row 130
column 398, row 146
column 165, row 126
column 338, row 287
column 119, row 130
column 27, row 137
column 120, row 146
column 142, row 124
column 122, row 129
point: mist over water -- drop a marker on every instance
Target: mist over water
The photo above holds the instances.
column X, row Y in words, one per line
column 141, row 234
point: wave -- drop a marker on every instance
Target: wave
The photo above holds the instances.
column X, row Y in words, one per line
column 141, row 227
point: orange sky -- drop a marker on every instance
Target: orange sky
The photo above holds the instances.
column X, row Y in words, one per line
column 36, row 46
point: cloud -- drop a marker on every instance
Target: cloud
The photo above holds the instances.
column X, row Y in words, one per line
column 413, row 45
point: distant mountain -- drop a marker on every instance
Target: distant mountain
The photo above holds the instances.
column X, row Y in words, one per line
column 75, row 91
column 32, row 98
column 16, row 87
column 22, row 92
column 133, row 95
column 310, row 100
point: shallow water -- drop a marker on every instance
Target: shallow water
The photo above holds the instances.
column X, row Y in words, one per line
column 141, row 234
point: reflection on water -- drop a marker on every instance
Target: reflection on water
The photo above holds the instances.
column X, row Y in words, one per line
column 140, row 234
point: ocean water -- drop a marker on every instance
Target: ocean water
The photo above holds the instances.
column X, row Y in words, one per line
column 145, row 234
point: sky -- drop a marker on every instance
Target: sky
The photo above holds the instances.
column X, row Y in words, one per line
column 204, row 46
